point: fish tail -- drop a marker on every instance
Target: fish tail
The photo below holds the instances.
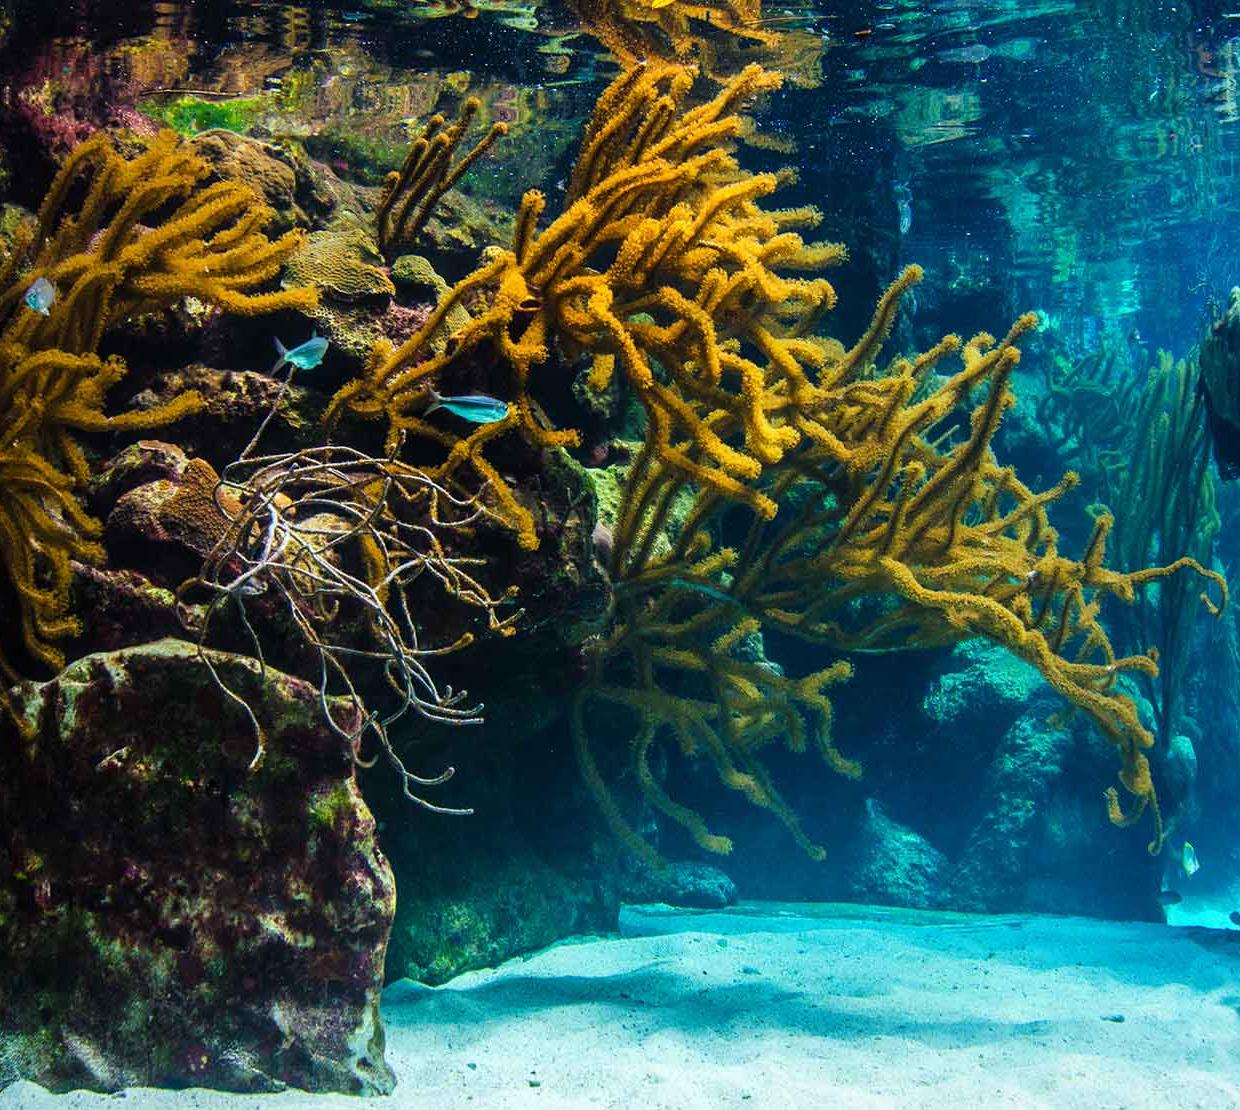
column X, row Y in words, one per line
column 281, row 349
column 436, row 401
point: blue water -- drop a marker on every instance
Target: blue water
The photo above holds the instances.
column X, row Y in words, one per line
column 1076, row 159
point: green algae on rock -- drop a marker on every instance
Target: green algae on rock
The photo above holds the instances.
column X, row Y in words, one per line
column 169, row 919
column 189, row 115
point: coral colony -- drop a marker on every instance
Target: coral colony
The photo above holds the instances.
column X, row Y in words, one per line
column 594, row 451
column 663, row 268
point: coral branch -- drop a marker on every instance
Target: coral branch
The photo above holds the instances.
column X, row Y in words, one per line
column 654, row 262
column 411, row 193
column 868, row 526
column 144, row 233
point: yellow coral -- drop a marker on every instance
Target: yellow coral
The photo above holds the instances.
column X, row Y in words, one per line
column 881, row 504
column 115, row 237
column 893, row 538
column 412, row 192
column 653, row 263
column 867, row 525
column 710, row 33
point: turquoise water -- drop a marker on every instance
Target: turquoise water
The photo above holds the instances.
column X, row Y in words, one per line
column 937, row 912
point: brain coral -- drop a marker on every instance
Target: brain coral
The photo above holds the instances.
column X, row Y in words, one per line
column 343, row 262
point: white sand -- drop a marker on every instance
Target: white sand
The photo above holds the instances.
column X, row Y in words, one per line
column 827, row 1006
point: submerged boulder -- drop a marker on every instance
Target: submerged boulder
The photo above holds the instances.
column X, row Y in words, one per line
column 895, row 866
column 686, row 883
column 170, row 916
column 300, row 192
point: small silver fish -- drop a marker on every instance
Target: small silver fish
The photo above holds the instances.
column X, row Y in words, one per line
column 477, row 408
column 41, row 296
column 1170, row 897
column 305, row 356
column 1188, row 860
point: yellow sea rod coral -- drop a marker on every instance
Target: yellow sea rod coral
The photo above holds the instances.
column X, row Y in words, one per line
column 411, row 193
column 638, row 31
column 115, row 237
column 709, row 33
column 869, row 521
column 652, row 269
column 893, row 535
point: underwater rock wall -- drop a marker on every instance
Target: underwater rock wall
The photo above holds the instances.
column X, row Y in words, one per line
column 170, row 917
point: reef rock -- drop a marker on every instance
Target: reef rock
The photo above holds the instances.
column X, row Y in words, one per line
column 504, row 904
column 235, row 403
column 680, row 883
column 301, row 193
column 1220, row 380
column 534, row 862
column 1027, row 831
column 978, row 794
column 170, row 916
column 895, row 866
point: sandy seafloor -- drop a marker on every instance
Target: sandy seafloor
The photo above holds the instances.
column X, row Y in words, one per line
column 772, row 1005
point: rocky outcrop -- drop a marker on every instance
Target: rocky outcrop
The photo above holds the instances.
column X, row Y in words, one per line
column 170, row 915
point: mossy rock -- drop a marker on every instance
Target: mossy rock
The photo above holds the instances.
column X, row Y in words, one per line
column 190, row 115
column 172, row 914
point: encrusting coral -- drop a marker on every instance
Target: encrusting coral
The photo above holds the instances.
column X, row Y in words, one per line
column 115, row 237
column 893, row 531
column 342, row 263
